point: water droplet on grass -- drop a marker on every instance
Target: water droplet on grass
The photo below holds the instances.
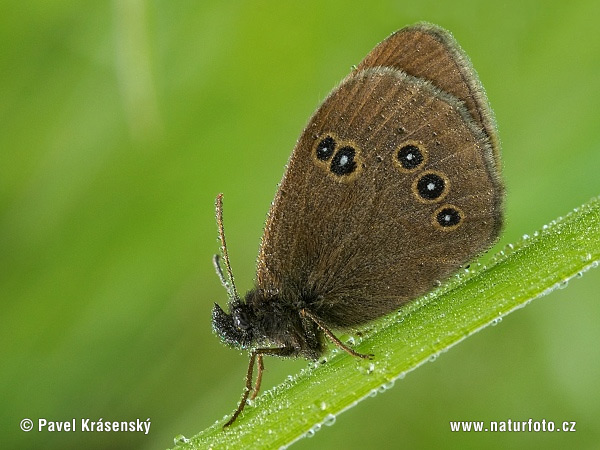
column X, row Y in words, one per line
column 329, row 420
column 180, row 439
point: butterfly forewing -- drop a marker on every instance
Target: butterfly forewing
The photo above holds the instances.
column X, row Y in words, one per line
column 431, row 53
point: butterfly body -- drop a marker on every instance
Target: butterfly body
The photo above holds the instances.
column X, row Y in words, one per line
column 393, row 185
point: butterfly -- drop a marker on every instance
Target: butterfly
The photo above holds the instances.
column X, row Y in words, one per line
column 393, row 185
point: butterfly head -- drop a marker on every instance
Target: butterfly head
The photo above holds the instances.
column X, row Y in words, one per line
column 235, row 328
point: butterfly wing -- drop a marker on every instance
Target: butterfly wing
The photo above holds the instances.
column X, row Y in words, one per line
column 390, row 189
column 429, row 52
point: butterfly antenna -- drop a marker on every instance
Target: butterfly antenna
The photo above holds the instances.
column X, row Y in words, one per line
column 219, row 270
column 229, row 285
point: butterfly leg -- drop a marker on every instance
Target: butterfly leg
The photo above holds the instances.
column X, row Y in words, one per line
column 333, row 337
column 257, row 353
column 261, row 367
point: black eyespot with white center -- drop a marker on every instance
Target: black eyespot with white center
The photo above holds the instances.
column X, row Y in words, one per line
column 431, row 186
column 410, row 157
column 343, row 162
column 325, row 148
column 448, row 217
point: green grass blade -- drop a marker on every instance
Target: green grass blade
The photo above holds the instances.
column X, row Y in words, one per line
column 563, row 249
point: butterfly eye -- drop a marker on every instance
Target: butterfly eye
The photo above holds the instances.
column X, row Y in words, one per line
column 240, row 319
column 431, row 186
column 410, row 157
column 325, row 148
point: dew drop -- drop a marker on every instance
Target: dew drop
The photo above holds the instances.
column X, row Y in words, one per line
column 496, row 321
column 366, row 368
column 384, row 387
column 370, row 368
column 314, row 429
column 180, row 439
column 329, row 420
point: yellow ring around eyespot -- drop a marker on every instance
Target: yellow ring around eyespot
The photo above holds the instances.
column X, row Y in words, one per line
column 437, row 225
column 418, row 145
column 339, row 144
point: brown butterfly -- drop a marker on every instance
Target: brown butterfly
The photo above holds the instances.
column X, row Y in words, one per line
column 392, row 187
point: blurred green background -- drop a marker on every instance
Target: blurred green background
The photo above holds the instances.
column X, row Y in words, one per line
column 121, row 121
